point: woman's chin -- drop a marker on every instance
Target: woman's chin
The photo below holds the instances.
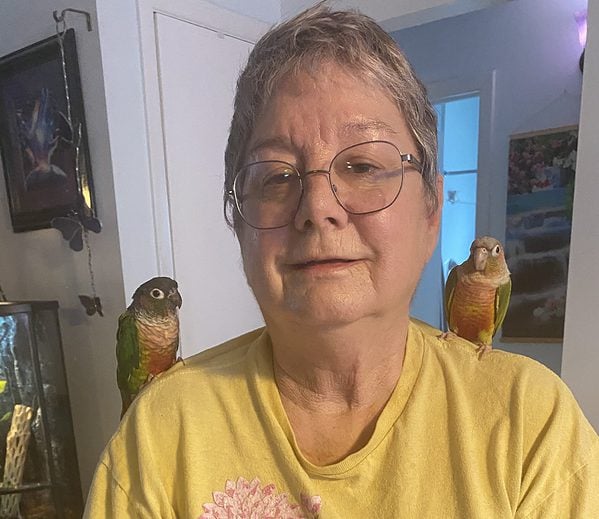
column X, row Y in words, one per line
column 327, row 308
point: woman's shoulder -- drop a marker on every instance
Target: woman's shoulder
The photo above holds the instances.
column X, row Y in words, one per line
column 505, row 384
column 502, row 387
column 205, row 376
column 225, row 354
column 495, row 365
column 511, row 383
column 230, row 355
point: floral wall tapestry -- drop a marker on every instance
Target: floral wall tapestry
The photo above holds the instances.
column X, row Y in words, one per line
column 538, row 226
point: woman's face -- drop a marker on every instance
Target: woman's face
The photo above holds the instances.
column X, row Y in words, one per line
column 328, row 267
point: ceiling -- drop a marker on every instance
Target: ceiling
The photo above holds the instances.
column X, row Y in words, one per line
column 398, row 14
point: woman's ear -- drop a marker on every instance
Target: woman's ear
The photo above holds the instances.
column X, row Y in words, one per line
column 434, row 218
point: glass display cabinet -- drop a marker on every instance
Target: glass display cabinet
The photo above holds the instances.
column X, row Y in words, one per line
column 39, row 474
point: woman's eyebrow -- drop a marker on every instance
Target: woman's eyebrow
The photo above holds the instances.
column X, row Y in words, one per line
column 366, row 126
column 271, row 143
column 348, row 129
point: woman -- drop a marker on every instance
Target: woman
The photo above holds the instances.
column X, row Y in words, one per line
column 342, row 407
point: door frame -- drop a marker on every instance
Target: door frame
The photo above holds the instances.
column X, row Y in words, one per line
column 484, row 86
column 196, row 12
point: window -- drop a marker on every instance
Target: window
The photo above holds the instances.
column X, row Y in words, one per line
column 458, row 161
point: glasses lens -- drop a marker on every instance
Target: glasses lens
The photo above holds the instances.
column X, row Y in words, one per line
column 267, row 194
column 367, row 177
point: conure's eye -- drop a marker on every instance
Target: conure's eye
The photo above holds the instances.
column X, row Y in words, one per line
column 156, row 293
column 496, row 250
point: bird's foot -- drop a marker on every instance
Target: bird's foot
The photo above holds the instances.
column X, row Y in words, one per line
column 482, row 348
column 447, row 335
column 151, row 377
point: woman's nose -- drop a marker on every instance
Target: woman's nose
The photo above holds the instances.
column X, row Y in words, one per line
column 318, row 205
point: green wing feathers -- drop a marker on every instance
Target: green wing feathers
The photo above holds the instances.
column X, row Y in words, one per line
column 127, row 353
column 502, row 301
column 452, row 281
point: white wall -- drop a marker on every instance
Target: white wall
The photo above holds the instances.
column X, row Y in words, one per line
column 39, row 264
column 125, row 116
column 580, row 363
column 533, row 46
column 123, row 82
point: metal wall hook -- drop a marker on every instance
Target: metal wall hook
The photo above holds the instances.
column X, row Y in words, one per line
column 60, row 19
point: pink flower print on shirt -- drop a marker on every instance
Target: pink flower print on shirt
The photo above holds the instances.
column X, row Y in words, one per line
column 248, row 500
column 311, row 504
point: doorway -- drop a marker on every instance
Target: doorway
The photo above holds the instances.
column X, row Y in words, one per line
column 457, row 126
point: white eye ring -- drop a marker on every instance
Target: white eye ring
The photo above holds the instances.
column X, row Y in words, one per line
column 156, row 293
column 495, row 251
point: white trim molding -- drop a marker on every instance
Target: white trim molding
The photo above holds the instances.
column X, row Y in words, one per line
column 202, row 14
column 484, row 86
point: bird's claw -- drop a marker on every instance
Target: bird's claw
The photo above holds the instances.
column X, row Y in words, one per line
column 482, row 348
column 447, row 335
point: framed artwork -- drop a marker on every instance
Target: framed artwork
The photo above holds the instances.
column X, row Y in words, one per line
column 538, row 227
column 37, row 142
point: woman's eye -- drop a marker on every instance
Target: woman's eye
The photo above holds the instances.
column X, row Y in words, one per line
column 280, row 177
column 361, row 168
column 277, row 185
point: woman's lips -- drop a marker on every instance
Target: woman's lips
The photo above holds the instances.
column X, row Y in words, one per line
column 324, row 264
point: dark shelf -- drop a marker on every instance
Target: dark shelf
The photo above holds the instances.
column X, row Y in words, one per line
column 24, row 488
column 17, row 307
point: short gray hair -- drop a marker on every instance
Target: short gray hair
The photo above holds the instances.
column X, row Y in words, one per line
column 346, row 38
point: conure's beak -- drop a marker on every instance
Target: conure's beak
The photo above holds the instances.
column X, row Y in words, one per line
column 175, row 297
column 480, row 255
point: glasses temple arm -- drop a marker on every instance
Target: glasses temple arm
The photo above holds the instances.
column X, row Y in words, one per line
column 410, row 159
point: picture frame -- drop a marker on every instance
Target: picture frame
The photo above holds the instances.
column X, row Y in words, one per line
column 37, row 143
column 540, row 198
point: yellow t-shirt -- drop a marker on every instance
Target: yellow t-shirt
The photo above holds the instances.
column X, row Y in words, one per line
column 460, row 437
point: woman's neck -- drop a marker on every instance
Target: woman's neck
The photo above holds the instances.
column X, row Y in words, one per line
column 334, row 383
column 339, row 369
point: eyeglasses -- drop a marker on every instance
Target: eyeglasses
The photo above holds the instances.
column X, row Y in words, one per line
column 365, row 178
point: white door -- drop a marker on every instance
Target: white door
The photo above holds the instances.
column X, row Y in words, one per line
column 197, row 68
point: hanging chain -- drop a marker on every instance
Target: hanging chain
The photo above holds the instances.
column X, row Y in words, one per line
column 79, row 187
column 85, row 231
column 89, row 262
column 77, row 143
column 60, row 35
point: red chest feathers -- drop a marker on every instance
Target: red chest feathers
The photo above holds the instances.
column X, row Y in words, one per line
column 159, row 341
column 472, row 311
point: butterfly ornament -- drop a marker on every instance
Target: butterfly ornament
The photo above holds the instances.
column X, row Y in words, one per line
column 72, row 228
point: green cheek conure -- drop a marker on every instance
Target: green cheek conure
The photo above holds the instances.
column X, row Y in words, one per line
column 147, row 337
column 477, row 293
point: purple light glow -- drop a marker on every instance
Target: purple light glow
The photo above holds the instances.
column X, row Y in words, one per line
column 581, row 21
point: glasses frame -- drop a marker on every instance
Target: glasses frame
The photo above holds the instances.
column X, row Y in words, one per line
column 405, row 157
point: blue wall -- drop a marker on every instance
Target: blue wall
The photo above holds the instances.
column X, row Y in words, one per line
column 533, row 47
